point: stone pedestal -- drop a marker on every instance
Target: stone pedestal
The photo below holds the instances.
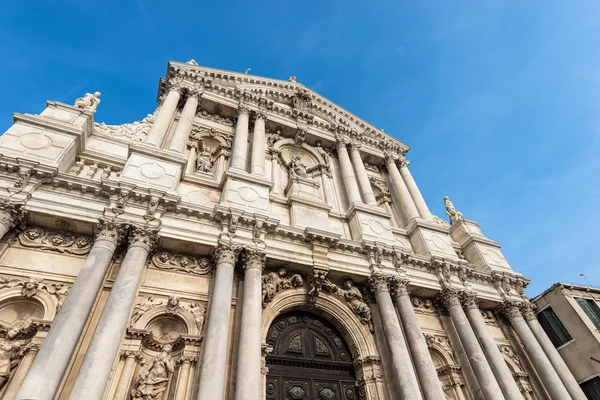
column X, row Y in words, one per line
column 159, row 168
column 306, row 208
column 430, row 239
column 242, row 190
column 369, row 223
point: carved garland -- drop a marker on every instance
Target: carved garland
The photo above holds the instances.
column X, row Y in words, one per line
column 55, row 241
column 182, row 263
column 30, row 287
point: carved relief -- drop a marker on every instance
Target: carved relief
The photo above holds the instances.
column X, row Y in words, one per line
column 31, row 286
column 488, row 317
column 275, row 282
column 355, row 300
column 136, row 131
column 142, row 237
column 214, row 117
column 11, row 214
column 439, row 341
column 13, row 346
column 182, row 263
column 55, row 241
column 198, row 311
column 143, row 305
column 296, row 167
column 152, row 383
column 112, row 231
column 315, row 283
column 205, row 159
column 302, row 99
column 423, row 306
column 508, row 351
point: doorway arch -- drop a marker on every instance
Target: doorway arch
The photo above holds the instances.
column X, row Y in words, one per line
column 310, row 360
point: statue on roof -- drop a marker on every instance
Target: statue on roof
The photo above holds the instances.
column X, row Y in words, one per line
column 192, row 62
column 89, row 102
column 451, row 211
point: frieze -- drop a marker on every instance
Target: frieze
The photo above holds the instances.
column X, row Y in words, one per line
column 136, row 131
column 214, row 117
column 173, row 305
column 423, row 306
column 489, row 317
column 182, row 263
column 55, row 241
column 275, row 282
column 31, row 286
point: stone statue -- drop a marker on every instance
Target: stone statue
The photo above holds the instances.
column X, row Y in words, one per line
column 275, row 282
column 10, row 350
column 153, row 382
column 89, row 102
column 192, row 62
column 172, row 305
column 297, row 167
column 315, row 284
column 204, row 161
column 141, row 307
column 323, row 153
column 352, row 295
column 451, row 211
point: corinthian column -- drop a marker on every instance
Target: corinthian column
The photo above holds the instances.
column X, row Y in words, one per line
column 402, row 194
column 400, row 358
column 414, row 191
column 430, row 383
column 104, row 347
column 361, row 175
column 259, row 144
column 10, row 215
column 348, row 173
column 163, row 120
column 550, row 378
column 239, row 152
column 490, row 348
column 249, row 381
column 485, row 377
column 216, row 338
column 46, row 373
column 555, row 359
column 184, row 126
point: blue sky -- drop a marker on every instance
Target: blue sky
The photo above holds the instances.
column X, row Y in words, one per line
column 499, row 100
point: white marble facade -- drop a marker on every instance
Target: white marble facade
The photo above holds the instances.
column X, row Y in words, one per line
column 149, row 260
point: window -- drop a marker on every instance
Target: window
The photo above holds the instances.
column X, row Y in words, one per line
column 555, row 330
column 591, row 388
column 591, row 309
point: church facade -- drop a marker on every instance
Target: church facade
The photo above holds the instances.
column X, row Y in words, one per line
column 248, row 240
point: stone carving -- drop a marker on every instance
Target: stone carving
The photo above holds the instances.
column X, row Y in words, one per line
column 382, row 191
column 142, row 237
column 89, row 102
column 11, row 214
column 204, row 160
column 93, row 170
column 275, row 282
column 448, row 297
column 441, row 341
column 133, row 132
column 182, row 263
column 273, row 138
column 152, row 383
column 152, row 208
column 31, row 286
column 323, row 153
column 423, row 306
column 214, row 117
column 55, row 241
column 355, row 300
column 315, row 283
column 198, row 311
column 254, row 259
column 143, row 305
column 508, row 352
column 379, row 283
column 296, row 167
column 371, row 167
column 172, row 305
column 451, row 211
column 24, row 176
column 12, row 348
column 399, row 286
column 302, row 99
column 528, row 311
column 511, row 309
column 112, row 231
column 192, row 62
column 488, row 317
column 300, row 136
column 226, row 252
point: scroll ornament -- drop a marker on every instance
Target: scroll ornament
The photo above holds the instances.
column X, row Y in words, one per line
column 55, row 241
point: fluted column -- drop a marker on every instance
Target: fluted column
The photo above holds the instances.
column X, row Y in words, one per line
column 248, row 381
column 184, row 376
column 131, row 359
column 553, row 355
column 163, row 120
column 481, row 368
column 403, row 195
column 10, row 215
column 104, row 347
column 399, row 356
column 46, row 373
column 361, row 175
column 19, row 376
column 414, row 191
column 216, row 338
column 548, row 375
column 430, row 383
column 259, row 144
column 348, row 173
column 185, row 124
column 490, row 348
column 239, row 152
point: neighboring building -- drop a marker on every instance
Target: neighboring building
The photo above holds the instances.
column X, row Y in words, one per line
column 570, row 315
column 250, row 239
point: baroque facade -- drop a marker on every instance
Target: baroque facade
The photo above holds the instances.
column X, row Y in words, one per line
column 248, row 240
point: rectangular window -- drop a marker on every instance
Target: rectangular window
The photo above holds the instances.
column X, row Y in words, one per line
column 555, row 330
column 591, row 388
column 591, row 309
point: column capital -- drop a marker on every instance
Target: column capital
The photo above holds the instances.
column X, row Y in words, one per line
column 511, row 309
column 389, row 157
column 226, row 252
column 354, row 145
column 399, row 286
column 469, row 300
column 402, row 162
column 174, row 85
column 379, row 283
column 254, row 259
column 112, row 231
column 261, row 113
column 243, row 108
column 187, row 360
column 528, row 310
column 449, row 297
column 143, row 237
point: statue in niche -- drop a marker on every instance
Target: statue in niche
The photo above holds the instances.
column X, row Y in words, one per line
column 275, row 282
column 89, row 102
column 11, row 349
column 204, row 161
column 451, row 211
column 353, row 297
column 296, row 167
column 323, row 153
column 152, row 383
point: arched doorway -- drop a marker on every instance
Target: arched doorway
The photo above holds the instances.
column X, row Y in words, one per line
column 310, row 360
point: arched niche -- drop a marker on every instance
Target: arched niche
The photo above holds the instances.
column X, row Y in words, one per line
column 39, row 306
column 181, row 314
column 167, row 328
